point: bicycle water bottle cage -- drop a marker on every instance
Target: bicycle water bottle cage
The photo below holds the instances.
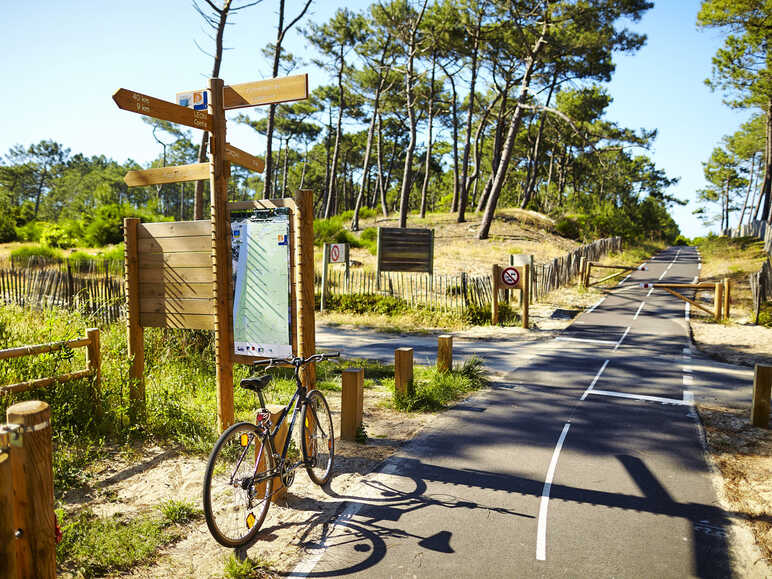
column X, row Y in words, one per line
column 256, row 384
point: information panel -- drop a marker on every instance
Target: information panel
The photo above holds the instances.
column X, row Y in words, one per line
column 261, row 267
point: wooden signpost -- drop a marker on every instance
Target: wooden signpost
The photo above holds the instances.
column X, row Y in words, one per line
column 509, row 278
column 179, row 274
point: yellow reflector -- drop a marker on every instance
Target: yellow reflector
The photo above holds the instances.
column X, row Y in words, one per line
column 250, row 521
column 244, row 439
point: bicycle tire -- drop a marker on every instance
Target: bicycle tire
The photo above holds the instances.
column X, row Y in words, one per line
column 234, row 507
column 317, row 438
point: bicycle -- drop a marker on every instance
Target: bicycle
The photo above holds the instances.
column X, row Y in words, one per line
column 244, row 462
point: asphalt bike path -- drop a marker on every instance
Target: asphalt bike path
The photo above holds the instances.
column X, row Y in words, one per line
column 584, row 458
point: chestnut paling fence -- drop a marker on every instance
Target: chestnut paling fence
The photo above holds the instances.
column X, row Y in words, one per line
column 760, row 281
column 96, row 288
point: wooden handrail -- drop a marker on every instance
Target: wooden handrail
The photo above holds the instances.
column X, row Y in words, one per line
column 93, row 361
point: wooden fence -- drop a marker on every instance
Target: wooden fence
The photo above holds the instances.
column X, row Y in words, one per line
column 94, row 289
column 761, row 281
column 459, row 291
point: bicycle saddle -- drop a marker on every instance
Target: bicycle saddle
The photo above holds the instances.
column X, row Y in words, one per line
column 257, row 383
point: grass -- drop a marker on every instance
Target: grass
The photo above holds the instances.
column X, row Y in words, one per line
column 94, row 545
column 433, row 390
column 246, row 568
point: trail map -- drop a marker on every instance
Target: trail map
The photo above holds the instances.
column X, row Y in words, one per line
column 261, row 304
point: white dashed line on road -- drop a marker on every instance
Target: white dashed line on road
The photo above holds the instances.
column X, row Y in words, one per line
column 619, row 343
column 635, row 317
column 587, row 340
column 641, row 397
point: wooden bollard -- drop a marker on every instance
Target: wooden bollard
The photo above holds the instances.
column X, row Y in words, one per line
column 444, row 353
column 495, row 272
column 403, row 370
column 727, row 297
column 762, row 385
column 717, row 299
column 353, row 380
column 33, row 484
column 7, row 526
column 582, row 267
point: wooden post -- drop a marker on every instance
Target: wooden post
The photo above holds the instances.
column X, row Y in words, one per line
column 325, row 266
column 33, row 484
column 221, row 258
column 582, row 266
column 94, row 365
column 304, row 251
column 7, row 527
column 727, row 297
column 762, row 384
column 587, row 273
column 717, row 299
column 495, row 295
column 352, row 400
column 135, row 332
column 526, row 297
column 403, row 370
column 444, row 353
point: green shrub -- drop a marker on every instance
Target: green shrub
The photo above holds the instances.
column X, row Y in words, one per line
column 30, row 231
column 54, row 235
column 366, row 303
column 24, row 254
column 568, row 227
column 105, row 227
column 7, row 228
column 681, row 240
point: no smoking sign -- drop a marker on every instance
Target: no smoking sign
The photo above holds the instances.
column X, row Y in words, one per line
column 510, row 277
column 337, row 253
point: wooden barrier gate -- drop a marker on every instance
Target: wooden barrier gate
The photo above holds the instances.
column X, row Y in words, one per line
column 721, row 295
column 586, row 270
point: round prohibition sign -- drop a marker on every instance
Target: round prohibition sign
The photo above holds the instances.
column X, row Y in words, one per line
column 510, row 277
column 335, row 253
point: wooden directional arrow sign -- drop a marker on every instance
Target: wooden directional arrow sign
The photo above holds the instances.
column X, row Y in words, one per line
column 244, row 159
column 264, row 92
column 196, row 172
column 153, row 107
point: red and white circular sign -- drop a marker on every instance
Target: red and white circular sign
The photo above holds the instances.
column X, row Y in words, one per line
column 510, row 277
column 337, row 252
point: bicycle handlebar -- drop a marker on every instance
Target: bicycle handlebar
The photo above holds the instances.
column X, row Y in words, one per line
column 295, row 361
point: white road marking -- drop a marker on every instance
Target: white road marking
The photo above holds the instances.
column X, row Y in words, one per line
column 591, row 386
column 688, row 369
column 641, row 397
column 687, row 310
column 600, row 301
column 699, row 266
column 567, row 339
column 688, row 380
column 687, row 351
column 619, row 343
column 635, row 317
column 624, row 280
column 689, row 397
column 649, row 294
column 663, row 275
column 696, row 279
column 541, row 530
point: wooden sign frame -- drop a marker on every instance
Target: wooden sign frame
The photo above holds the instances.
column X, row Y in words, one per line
column 496, row 285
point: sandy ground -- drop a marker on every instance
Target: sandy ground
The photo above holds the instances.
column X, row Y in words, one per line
column 130, row 486
column 736, row 343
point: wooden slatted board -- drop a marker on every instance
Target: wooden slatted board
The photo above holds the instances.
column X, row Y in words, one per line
column 405, row 249
column 175, row 275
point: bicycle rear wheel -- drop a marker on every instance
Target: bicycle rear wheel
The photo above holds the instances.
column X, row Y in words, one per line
column 237, row 485
column 318, row 438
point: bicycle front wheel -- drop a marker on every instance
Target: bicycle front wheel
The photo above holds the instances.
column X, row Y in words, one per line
column 237, row 485
column 318, row 438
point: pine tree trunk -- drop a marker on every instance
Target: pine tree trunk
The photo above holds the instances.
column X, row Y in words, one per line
column 464, row 189
column 425, row 186
column 336, row 149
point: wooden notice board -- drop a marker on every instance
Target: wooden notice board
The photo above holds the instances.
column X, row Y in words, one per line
column 402, row 249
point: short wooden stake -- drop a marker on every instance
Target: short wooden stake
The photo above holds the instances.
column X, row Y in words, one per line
column 495, row 294
column 33, row 484
column 718, row 293
column 7, row 527
column 351, row 402
column 403, row 370
column 727, row 297
column 762, row 384
column 582, row 266
column 444, row 353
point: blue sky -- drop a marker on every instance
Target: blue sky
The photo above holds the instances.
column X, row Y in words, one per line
column 62, row 61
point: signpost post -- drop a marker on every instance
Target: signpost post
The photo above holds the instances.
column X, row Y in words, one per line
column 190, row 112
column 510, row 277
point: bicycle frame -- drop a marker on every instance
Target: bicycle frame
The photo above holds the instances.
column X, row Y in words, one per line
column 299, row 401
